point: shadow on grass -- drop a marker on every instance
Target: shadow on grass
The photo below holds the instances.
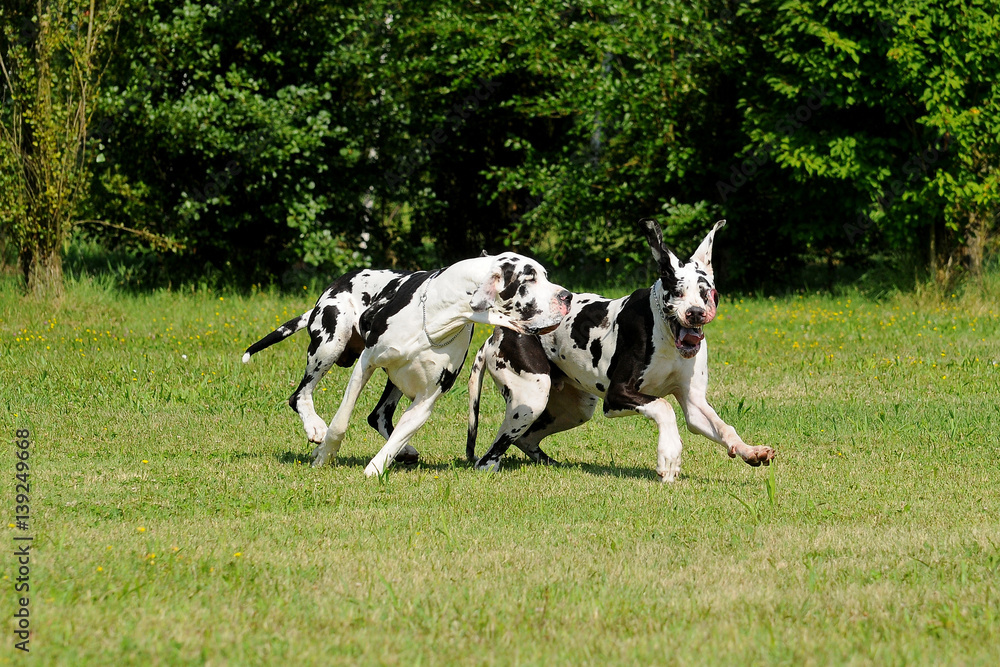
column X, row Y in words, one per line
column 516, row 463
column 617, row 471
column 513, row 463
column 625, row 472
column 299, row 458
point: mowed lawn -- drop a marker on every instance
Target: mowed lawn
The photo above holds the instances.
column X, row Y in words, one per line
column 176, row 519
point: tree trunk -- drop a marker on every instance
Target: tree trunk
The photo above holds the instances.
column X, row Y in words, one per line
column 977, row 237
column 43, row 272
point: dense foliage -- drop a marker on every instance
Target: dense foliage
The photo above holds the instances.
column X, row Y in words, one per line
column 51, row 56
column 268, row 136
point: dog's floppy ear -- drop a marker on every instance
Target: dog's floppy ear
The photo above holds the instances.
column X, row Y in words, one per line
column 664, row 256
column 487, row 292
column 703, row 255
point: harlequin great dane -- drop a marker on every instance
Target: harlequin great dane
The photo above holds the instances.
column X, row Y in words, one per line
column 631, row 352
column 417, row 326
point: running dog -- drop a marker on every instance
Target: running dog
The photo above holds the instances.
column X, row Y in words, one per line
column 417, row 326
column 631, row 352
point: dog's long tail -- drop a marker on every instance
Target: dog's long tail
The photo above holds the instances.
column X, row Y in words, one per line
column 475, row 391
column 278, row 335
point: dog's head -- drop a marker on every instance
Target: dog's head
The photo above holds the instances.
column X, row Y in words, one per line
column 517, row 294
column 687, row 298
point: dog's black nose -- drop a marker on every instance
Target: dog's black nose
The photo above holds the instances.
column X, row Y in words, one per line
column 695, row 315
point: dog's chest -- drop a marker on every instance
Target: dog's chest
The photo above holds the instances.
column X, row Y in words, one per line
column 667, row 371
column 412, row 362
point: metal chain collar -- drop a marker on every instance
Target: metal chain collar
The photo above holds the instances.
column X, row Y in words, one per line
column 423, row 304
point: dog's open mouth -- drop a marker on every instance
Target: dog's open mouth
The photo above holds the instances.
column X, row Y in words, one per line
column 688, row 341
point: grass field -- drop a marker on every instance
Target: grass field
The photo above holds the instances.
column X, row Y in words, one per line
column 176, row 519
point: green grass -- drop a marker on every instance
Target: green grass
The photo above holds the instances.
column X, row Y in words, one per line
column 176, row 521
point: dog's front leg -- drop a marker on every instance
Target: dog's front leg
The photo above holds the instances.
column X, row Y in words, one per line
column 702, row 419
column 620, row 402
column 668, row 444
column 338, row 425
column 414, row 417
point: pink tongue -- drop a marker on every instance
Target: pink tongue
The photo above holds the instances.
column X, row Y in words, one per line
column 690, row 336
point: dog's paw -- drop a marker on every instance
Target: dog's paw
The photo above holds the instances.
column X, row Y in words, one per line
column 372, row 470
column 759, row 455
column 753, row 456
column 671, row 471
column 492, row 465
column 320, row 457
column 408, row 456
column 315, row 429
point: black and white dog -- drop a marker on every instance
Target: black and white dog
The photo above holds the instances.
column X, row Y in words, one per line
column 631, row 352
column 417, row 326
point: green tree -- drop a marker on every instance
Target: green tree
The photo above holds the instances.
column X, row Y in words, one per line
column 599, row 113
column 51, row 57
column 248, row 131
column 267, row 135
column 905, row 147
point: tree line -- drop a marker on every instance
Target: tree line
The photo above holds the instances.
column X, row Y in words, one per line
column 251, row 138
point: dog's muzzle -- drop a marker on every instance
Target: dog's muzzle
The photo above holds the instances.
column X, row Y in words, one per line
column 561, row 303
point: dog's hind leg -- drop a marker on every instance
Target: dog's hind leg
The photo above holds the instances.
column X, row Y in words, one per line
column 521, row 372
column 476, row 376
column 338, row 425
column 317, row 365
column 568, row 407
column 526, row 395
column 414, row 417
column 332, row 340
column 380, row 418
